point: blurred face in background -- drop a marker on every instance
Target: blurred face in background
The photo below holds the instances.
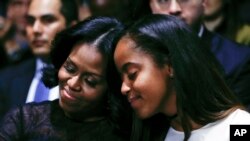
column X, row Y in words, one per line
column 44, row 20
column 16, row 12
column 190, row 11
column 213, row 7
column 115, row 8
column 105, row 7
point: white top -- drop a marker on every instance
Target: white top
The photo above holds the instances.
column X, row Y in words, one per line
column 216, row 131
column 53, row 93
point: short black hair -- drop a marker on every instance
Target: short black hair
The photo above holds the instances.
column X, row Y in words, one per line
column 69, row 10
column 101, row 33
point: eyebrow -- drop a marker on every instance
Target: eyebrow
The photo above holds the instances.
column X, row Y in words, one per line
column 42, row 17
column 29, row 16
column 48, row 16
column 127, row 65
column 88, row 73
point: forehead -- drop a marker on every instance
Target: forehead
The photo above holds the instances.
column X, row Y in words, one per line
column 44, row 7
column 88, row 55
column 126, row 49
column 83, row 49
column 126, row 43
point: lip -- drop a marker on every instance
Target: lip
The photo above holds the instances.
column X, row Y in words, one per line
column 66, row 96
column 39, row 43
column 134, row 101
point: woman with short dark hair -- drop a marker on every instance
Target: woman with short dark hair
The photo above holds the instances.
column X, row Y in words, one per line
column 90, row 107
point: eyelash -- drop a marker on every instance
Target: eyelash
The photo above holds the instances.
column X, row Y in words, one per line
column 132, row 76
column 91, row 83
column 69, row 68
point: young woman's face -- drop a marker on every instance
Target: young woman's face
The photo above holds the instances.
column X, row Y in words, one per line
column 82, row 80
column 148, row 87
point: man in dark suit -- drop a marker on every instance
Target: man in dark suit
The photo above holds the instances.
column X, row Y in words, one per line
column 234, row 58
column 21, row 84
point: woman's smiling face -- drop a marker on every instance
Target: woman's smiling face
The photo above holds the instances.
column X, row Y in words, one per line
column 148, row 87
column 82, row 80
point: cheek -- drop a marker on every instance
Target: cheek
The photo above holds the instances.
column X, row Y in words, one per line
column 29, row 32
column 53, row 29
column 192, row 14
column 62, row 75
column 153, row 97
column 95, row 94
column 153, row 86
column 212, row 10
column 142, row 83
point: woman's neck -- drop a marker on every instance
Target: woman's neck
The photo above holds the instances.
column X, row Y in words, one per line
column 88, row 115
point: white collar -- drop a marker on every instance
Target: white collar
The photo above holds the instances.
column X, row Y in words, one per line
column 39, row 66
column 201, row 31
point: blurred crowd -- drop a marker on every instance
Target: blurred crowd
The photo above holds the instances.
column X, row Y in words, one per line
column 32, row 46
column 229, row 18
column 14, row 46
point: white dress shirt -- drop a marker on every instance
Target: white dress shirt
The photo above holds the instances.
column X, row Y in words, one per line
column 53, row 93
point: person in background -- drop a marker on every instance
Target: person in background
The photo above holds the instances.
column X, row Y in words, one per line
column 90, row 106
column 234, row 58
column 217, row 17
column 22, row 83
column 223, row 17
column 127, row 11
column 13, row 37
column 164, row 71
column 83, row 7
column 244, row 30
column 3, row 53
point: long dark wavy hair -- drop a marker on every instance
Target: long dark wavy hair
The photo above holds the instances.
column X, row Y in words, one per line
column 202, row 94
column 101, row 33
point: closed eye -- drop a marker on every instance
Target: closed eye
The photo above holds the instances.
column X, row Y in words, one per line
column 132, row 76
column 69, row 67
column 91, row 82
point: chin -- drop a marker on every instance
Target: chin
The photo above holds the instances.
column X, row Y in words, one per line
column 67, row 107
column 41, row 53
column 142, row 115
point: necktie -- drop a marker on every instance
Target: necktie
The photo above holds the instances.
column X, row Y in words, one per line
column 42, row 92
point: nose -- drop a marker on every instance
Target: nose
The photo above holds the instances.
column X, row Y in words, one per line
column 74, row 83
column 37, row 27
column 174, row 8
column 125, row 88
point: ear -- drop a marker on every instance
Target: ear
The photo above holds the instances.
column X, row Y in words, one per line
column 169, row 70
